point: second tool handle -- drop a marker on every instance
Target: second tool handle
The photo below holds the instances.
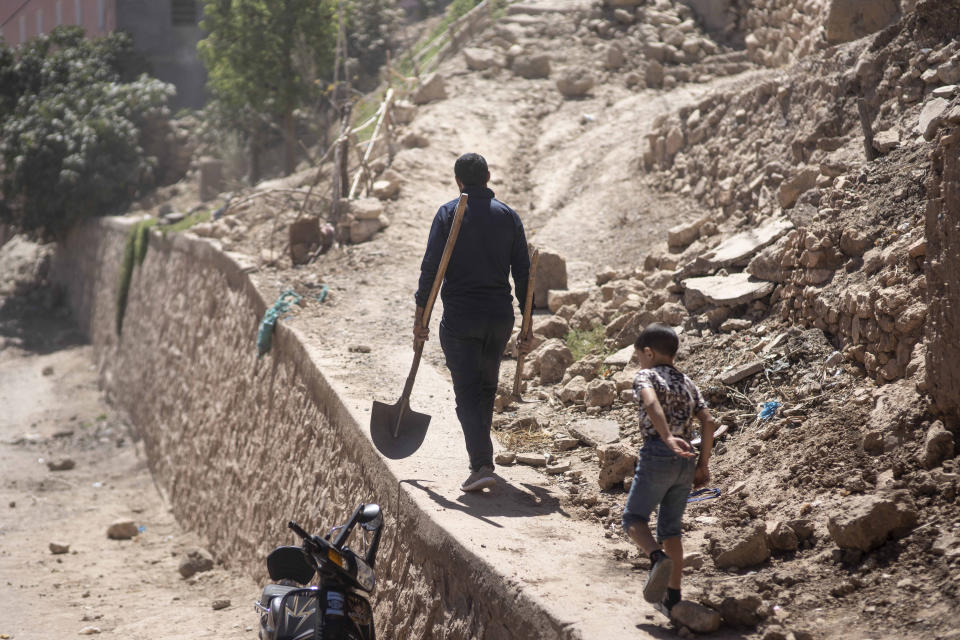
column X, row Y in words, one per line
column 525, row 325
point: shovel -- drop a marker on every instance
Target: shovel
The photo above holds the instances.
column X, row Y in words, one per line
column 397, row 431
column 525, row 327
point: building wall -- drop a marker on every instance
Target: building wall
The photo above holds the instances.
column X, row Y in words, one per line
column 167, row 33
column 20, row 21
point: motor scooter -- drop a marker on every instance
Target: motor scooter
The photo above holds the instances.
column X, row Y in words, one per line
column 335, row 606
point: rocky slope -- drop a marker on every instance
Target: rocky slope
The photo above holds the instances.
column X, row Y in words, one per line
column 672, row 170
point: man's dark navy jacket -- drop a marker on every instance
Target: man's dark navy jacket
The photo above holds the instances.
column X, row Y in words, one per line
column 491, row 243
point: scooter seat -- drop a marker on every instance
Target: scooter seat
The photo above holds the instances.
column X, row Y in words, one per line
column 272, row 591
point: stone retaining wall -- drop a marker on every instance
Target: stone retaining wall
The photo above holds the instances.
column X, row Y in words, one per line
column 241, row 445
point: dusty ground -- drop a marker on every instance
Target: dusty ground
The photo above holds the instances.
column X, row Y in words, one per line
column 570, row 167
column 52, row 411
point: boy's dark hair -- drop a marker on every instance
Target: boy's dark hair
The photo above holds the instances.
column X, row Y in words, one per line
column 660, row 338
column 471, row 169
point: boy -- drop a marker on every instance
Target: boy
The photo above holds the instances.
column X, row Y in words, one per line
column 668, row 466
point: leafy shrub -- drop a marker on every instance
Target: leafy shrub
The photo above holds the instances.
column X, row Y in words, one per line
column 586, row 342
column 71, row 115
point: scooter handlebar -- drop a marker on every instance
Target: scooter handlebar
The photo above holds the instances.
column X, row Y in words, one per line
column 297, row 529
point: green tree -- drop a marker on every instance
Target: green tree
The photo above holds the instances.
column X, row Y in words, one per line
column 264, row 58
column 373, row 29
column 71, row 115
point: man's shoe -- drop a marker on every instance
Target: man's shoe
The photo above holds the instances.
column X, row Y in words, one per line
column 660, row 568
column 480, row 479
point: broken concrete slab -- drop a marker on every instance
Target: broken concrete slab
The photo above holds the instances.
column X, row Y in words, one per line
column 596, row 432
column 620, row 358
column 735, row 374
column 946, row 91
column 729, row 291
column 737, row 250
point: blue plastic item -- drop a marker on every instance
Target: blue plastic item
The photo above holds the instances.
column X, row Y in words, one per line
column 769, row 409
column 703, row 494
column 270, row 317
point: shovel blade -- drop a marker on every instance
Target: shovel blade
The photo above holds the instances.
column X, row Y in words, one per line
column 383, row 424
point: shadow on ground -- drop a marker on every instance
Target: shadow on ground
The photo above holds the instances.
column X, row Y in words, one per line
column 503, row 500
column 37, row 321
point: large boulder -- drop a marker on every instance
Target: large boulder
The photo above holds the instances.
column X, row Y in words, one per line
column 696, row 617
column 575, row 82
column 433, row 87
column 557, row 298
column 364, row 229
column 551, row 327
column 740, row 549
column 616, row 463
column 551, row 274
column 536, row 65
column 684, row 233
column 782, row 537
column 122, row 530
column 554, row 357
column 937, row 446
column 195, row 561
column 743, row 610
column 796, row 185
column 574, row 391
column 482, row 59
column 931, row 117
column 366, row 208
column 601, row 393
column 402, row 112
column 852, row 19
column 865, row 522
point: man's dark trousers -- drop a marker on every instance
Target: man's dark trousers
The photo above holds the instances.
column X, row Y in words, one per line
column 473, row 348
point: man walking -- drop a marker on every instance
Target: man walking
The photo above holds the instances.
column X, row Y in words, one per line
column 477, row 306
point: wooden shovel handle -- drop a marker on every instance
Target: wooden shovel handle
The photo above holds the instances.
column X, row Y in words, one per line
column 428, row 307
column 445, row 258
column 525, row 325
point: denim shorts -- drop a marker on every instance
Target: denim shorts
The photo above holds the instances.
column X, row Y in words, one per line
column 662, row 479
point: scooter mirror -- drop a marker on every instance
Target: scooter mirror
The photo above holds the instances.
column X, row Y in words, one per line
column 370, row 517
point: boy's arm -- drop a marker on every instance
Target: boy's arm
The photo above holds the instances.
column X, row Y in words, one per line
column 709, row 425
column 652, row 406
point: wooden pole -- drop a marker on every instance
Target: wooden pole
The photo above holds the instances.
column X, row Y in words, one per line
column 525, row 325
column 868, row 149
column 384, row 108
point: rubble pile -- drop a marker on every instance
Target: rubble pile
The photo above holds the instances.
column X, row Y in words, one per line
column 802, row 302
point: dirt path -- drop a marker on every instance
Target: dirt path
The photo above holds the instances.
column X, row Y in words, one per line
column 51, row 410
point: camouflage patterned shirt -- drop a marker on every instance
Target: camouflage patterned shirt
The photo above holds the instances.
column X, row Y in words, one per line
column 678, row 395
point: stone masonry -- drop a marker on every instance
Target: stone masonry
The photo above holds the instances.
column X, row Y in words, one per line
column 241, row 445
